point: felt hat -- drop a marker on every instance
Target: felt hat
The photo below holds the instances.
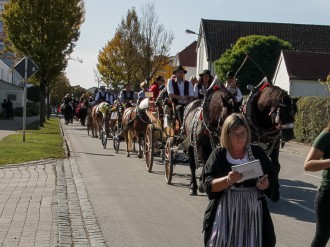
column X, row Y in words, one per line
column 205, row 72
column 230, row 74
column 179, row 68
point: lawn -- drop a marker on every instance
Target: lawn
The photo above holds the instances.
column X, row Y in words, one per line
column 40, row 143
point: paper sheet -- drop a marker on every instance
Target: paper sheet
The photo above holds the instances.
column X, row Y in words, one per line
column 249, row 170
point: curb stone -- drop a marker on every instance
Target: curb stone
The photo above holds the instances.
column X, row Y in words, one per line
column 76, row 214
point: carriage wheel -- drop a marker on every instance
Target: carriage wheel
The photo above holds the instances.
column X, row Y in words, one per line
column 169, row 161
column 104, row 139
column 149, row 147
column 116, row 139
column 116, row 143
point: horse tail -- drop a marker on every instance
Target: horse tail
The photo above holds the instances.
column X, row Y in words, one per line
column 130, row 140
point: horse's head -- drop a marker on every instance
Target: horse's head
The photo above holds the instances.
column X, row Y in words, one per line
column 218, row 106
column 280, row 108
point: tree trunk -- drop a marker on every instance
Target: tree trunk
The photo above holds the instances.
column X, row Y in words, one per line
column 48, row 105
column 42, row 102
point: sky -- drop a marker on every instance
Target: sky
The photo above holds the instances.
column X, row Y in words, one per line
column 104, row 16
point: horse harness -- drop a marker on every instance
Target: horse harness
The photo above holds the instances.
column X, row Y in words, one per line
column 267, row 139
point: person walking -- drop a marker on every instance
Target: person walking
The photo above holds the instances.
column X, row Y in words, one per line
column 237, row 214
column 10, row 109
column 318, row 159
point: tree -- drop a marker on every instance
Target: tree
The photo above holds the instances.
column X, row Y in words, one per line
column 119, row 59
column 155, row 43
column 60, row 89
column 263, row 51
column 45, row 32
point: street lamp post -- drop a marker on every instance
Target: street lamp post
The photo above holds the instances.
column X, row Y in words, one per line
column 209, row 50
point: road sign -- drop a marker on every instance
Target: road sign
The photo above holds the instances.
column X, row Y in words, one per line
column 31, row 67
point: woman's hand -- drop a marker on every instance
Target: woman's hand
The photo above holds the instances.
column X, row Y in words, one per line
column 234, row 176
column 263, row 183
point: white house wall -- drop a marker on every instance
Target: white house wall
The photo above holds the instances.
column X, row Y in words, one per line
column 202, row 62
column 5, row 73
column 308, row 88
column 7, row 89
column 191, row 71
column 281, row 77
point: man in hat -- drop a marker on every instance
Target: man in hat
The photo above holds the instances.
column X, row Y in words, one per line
column 231, row 85
column 155, row 88
column 180, row 91
column 204, row 82
column 127, row 95
column 102, row 96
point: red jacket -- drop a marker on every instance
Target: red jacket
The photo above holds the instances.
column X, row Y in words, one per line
column 155, row 89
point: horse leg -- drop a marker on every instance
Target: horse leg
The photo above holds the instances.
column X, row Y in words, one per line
column 204, row 152
column 193, row 181
column 275, row 194
column 128, row 142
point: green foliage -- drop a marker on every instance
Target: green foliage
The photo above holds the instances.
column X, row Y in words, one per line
column 32, row 109
column 46, row 32
column 118, row 60
column 33, row 93
column 312, row 117
column 137, row 52
column 264, row 50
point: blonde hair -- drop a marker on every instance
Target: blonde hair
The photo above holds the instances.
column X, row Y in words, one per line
column 233, row 122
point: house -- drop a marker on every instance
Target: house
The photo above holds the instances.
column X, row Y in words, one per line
column 187, row 58
column 216, row 36
column 300, row 73
column 11, row 91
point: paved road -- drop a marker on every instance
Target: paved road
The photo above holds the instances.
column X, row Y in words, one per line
column 137, row 208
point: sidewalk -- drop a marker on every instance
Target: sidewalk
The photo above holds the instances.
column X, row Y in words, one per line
column 45, row 202
column 9, row 127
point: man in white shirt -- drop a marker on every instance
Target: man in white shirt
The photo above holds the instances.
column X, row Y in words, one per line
column 180, row 91
column 102, row 96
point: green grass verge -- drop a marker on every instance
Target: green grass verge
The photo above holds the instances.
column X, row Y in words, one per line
column 40, row 143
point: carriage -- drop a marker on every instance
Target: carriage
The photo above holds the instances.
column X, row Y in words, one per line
column 160, row 128
column 116, row 126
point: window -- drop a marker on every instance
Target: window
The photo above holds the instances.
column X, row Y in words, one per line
column 12, row 96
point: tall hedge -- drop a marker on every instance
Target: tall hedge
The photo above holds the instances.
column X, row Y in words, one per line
column 312, row 117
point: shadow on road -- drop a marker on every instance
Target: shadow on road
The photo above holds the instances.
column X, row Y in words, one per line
column 109, row 155
column 300, row 197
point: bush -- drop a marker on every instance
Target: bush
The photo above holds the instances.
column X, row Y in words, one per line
column 312, row 117
column 32, row 109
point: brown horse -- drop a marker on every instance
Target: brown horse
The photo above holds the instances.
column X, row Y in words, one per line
column 100, row 113
column 135, row 123
column 203, row 124
column 270, row 112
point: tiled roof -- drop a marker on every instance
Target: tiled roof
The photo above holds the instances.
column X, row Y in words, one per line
column 223, row 34
column 188, row 56
column 307, row 65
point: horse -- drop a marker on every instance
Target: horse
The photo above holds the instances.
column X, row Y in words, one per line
column 203, row 121
column 117, row 110
column 100, row 113
column 270, row 113
column 135, row 123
